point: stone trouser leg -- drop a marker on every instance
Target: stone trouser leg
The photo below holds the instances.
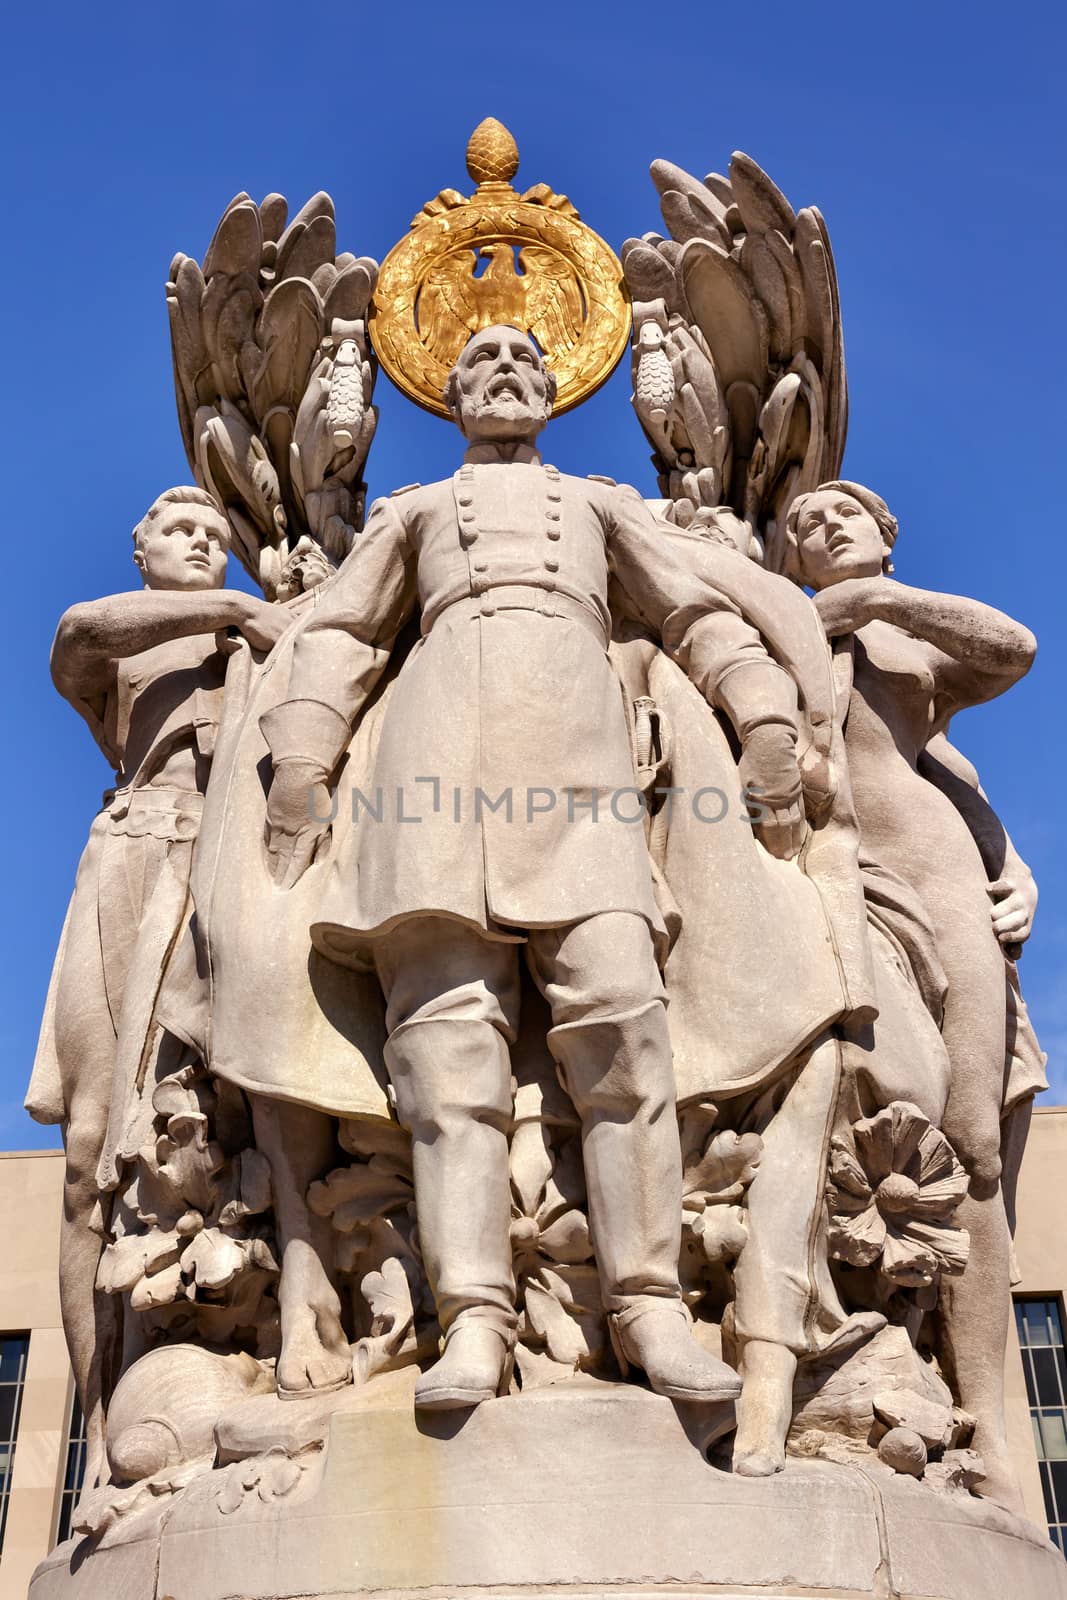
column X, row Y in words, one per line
column 452, row 999
column 611, row 1044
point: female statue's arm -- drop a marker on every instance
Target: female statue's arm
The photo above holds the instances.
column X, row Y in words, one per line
column 1011, row 883
column 978, row 651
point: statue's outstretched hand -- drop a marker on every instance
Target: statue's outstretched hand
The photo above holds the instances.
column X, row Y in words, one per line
column 770, row 780
column 299, row 811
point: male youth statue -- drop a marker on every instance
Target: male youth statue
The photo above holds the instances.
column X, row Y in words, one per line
column 145, row 672
column 508, row 721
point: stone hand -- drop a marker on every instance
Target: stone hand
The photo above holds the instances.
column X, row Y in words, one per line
column 1014, row 899
column 263, row 623
column 770, row 777
column 847, row 606
column 298, row 819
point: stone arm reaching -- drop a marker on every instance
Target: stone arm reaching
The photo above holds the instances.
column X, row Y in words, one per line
column 94, row 634
column 723, row 656
column 340, row 653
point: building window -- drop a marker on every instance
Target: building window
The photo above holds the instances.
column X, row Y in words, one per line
column 1040, row 1325
column 14, row 1348
column 74, row 1472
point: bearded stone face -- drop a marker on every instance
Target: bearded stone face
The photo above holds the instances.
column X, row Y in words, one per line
column 500, row 389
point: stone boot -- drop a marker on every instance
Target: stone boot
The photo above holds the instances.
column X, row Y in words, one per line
column 476, row 1365
column 657, row 1338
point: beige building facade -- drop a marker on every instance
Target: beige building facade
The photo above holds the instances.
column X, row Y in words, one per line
column 39, row 1423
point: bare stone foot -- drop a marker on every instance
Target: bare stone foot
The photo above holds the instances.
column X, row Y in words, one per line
column 315, row 1355
column 758, row 1464
column 765, row 1409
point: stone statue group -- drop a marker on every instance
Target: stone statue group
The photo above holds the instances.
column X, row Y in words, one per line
column 557, row 942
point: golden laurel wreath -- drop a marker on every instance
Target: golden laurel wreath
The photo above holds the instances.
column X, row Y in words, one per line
column 567, row 293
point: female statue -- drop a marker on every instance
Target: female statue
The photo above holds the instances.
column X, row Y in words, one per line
column 908, row 660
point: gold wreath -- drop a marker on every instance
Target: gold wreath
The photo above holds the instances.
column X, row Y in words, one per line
column 568, row 292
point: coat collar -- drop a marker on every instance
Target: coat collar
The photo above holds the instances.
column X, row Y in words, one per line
column 488, row 452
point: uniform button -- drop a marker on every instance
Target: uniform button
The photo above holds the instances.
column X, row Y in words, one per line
column 554, row 495
column 553, row 516
column 481, row 566
column 466, row 500
column 487, row 609
column 553, row 566
column 553, row 533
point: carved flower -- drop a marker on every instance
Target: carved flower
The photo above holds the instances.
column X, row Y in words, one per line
column 555, row 1274
column 895, row 1184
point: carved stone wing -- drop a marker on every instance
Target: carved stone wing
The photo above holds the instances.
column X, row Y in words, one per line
column 553, row 300
column 448, row 306
column 742, row 299
column 256, row 333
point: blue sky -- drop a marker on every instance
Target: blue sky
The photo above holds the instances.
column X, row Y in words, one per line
column 932, row 138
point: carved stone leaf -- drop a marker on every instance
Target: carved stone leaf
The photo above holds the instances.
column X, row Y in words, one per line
column 280, row 1476
column 907, row 1262
column 353, row 1195
column 349, row 295
column 949, row 1246
column 238, row 240
column 567, row 1240
column 761, row 203
column 530, row 1165
column 228, row 318
column 816, row 268
column 213, row 1259
column 563, row 1335
column 726, row 1167
column 729, row 315
column 846, row 1172
column 649, row 275
column 722, row 1232
column 135, row 1256
column 374, row 1137
column 160, row 1289
column 858, row 1239
column 690, row 216
column 388, row 1294
column 291, row 248
column 887, row 1141
column 289, row 332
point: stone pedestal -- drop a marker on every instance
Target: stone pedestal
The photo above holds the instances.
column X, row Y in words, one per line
column 583, row 1488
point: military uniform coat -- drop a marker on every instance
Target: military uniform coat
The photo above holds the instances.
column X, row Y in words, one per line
column 506, row 733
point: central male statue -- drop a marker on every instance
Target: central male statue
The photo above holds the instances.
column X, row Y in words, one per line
column 509, row 702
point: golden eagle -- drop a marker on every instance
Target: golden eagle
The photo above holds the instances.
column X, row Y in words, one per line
column 543, row 299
